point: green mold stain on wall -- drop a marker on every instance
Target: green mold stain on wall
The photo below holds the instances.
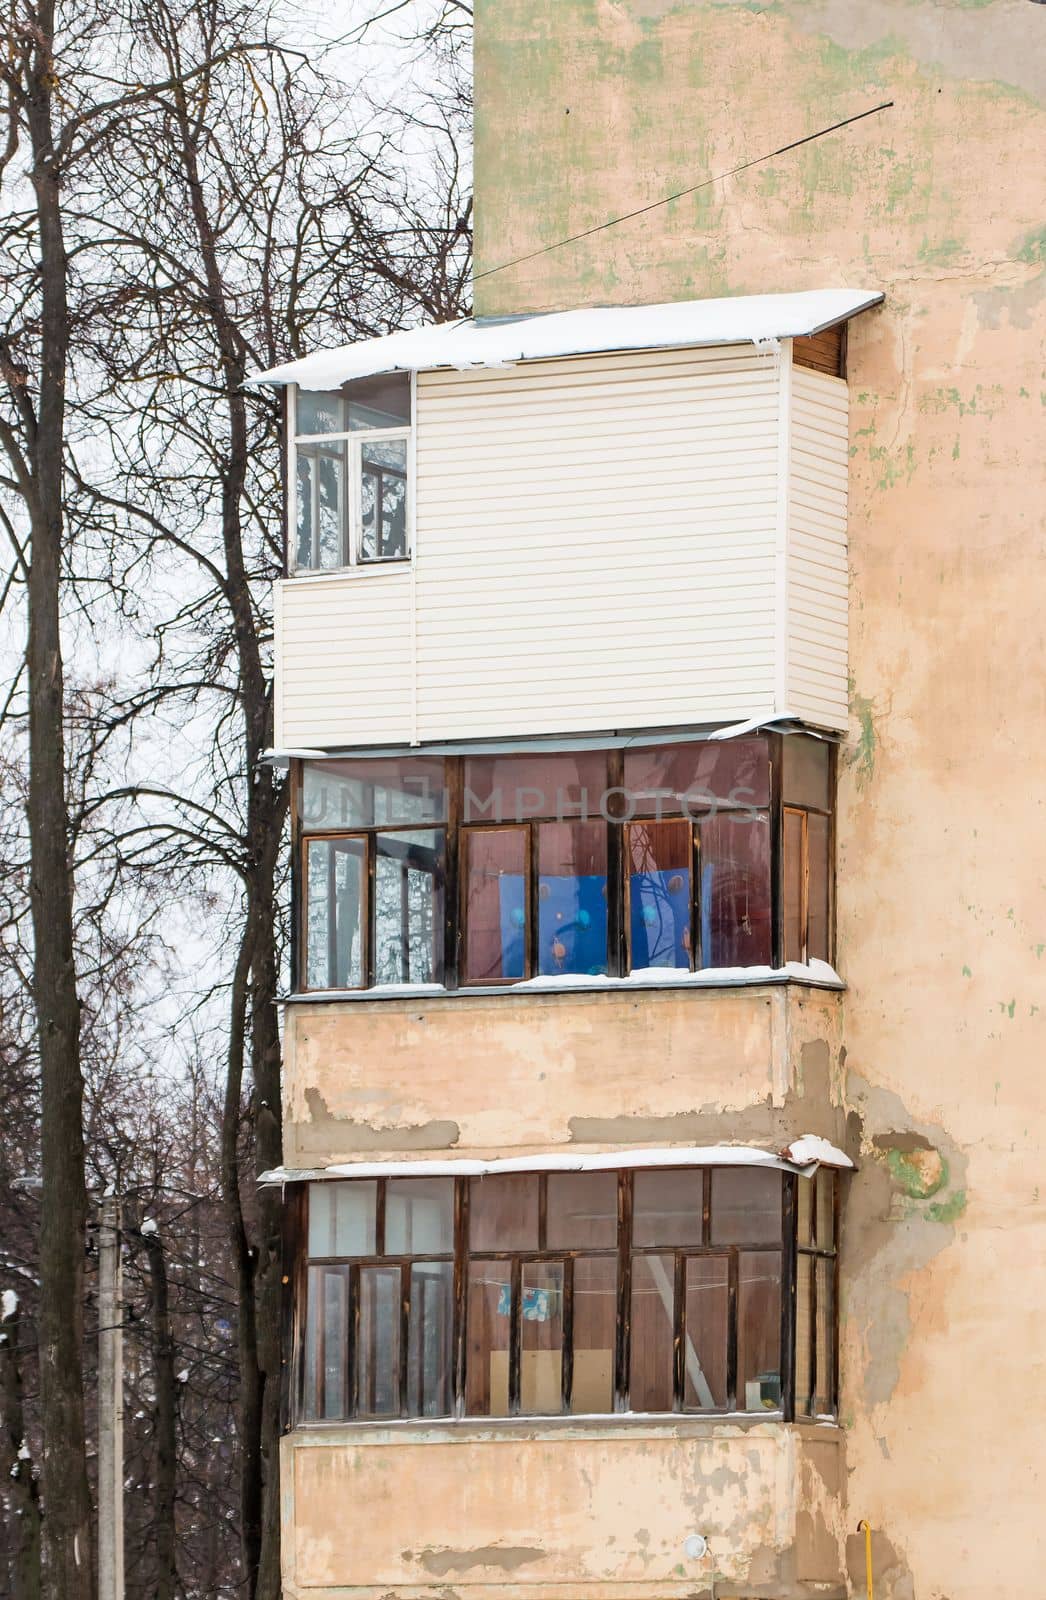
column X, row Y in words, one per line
column 861, row 756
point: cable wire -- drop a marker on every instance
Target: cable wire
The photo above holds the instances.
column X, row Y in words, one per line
column 682, row 193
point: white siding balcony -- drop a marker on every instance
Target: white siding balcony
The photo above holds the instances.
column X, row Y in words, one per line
column 651, row 534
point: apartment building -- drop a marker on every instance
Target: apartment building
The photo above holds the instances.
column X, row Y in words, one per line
column 658, row 666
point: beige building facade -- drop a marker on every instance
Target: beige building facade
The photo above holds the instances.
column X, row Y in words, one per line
column 787, row 560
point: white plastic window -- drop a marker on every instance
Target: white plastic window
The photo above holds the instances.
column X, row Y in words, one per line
column 351, row 474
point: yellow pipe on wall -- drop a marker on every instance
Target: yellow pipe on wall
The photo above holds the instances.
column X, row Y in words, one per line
column 863, row 1525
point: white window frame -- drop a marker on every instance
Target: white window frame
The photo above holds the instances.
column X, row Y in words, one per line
column 353, row 442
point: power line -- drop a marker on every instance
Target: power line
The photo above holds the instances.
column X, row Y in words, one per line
column 682, row 193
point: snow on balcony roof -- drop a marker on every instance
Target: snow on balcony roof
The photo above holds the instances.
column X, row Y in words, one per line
column 740, row 319
column 804, row 1155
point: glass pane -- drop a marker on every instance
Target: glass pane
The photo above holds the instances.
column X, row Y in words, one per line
column 419, row 1216
column 379, row 1342
column 487, row 1337
column 659, row 859
column 503, row 1212
column 804, row 1332
column 746, row 1205
column 572, row 897
column 341, row 1218
column 322, row 516
column 804, row 771
column 595, row 1324
column 805, row 1209
column 319, row 411
column 819, row 857
column 667, row 1207
column 379, row 402
column 705, row 1343
column 326, row 1344
column 824, row 1186
column 689, row 778
column 650, row 1367
column 581, row 1210
column 516, row 788
column 735, row 891
column 408, row 907
column 824, row 1396
column 495, row 904
column 383, row 490
column 759, row 1331
column 793, row 871
column 541, row 1339
column 306, row 472
column 430, row 1340
column 364, row 794
column 335, row 870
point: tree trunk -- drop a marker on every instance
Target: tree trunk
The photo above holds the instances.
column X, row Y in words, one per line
column 16, row 1470
column 165, row 1460
column 67, row 1527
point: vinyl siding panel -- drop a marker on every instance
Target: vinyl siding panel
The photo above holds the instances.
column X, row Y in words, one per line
column 595, row 544
column 344, row 652
column 817, row 568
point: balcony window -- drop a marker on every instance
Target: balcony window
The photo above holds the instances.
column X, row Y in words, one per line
column 351, row 474
column 482, row 869
column 553, row 1294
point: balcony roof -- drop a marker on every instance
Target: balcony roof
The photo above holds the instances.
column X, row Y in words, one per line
column 741, row 319
column 804, row 1155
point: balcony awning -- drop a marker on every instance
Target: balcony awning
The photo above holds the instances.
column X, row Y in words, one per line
column 497, row 342
column 804, row 1155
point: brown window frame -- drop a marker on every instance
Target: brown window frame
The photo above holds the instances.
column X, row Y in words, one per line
column 369, row 910
column 298, row 1408
column 456, row 830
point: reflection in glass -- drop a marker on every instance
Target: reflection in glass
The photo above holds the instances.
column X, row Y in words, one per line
column 319, row 411
column 322, row 507
column 335, row 870
column 408, row 907
column 430, row 1353
column 667, row 780
column 572, row 897
column 804, row 1327
column 495, row 914
column 518, row 788
column 825, row 1389
column 383, row 490
column 658, row 858
column 378, row 1364
column 735, row 891
column 327, row 1344
column 394, row 791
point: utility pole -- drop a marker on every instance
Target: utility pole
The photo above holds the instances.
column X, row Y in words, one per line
column 110, row 1401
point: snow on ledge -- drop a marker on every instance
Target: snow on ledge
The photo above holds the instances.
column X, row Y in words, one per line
column 815, row 972
column 804, row 1155
column 759, row 319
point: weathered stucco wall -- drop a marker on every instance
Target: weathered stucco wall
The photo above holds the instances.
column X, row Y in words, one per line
column 589, row 108
column 500, row 1074
column 554, row 1514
